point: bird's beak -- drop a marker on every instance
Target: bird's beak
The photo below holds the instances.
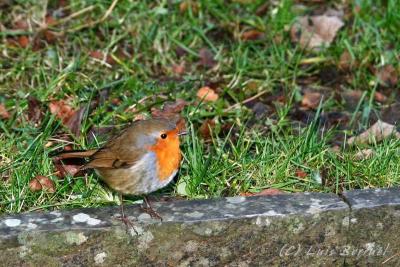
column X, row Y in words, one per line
column 182, row 133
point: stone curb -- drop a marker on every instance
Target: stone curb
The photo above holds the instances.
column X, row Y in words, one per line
column 360, row 228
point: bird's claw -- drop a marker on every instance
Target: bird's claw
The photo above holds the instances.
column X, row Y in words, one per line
column 153, row 214
column 128, row 223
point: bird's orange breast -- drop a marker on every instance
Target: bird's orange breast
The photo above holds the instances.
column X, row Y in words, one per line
column 168, row 154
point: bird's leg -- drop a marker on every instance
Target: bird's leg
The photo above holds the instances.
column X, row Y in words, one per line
column 128, row 223
column 149, row 209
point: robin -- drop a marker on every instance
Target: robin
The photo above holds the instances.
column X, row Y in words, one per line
column 141, row 159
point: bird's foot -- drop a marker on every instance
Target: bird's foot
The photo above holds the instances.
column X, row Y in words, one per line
column 153, row 214
column 128, row 223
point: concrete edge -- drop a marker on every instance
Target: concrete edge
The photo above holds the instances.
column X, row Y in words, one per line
column 361, row 227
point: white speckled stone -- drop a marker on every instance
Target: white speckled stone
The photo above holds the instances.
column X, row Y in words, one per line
column 12, row 222
column 81, row 217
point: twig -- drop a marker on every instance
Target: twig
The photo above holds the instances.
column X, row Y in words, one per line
column 73, row 15
column 91, row 24
column 391, row 257
column 246, row 100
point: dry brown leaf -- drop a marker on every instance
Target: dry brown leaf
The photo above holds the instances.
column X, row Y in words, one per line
column 97, row 54
column 3, row 112
column 23, row 41
column 313, row 32
column 311, row 100
column 300, row 173
column 170, row 109
column 206, row 58
column 34, row 185
column 67, row 166
column 50, row 36
column 35, row 113
column 263, row 9
column 379, row 97
column 40, row 182
column 270, row 192
column 61, row 110
column 206, row 128
column 50, row 20
column 346, row 61
column 265, row 192
column 21, row 24
column 74, row 123
column 364, row 154
column 187, row 4
column 377, row 132
column 252, row 35
column 207, row 94
column 387, row 75
column 352, row 97
column 70, row 118
column 178, row 69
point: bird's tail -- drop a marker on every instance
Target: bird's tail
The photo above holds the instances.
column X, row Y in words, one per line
column 75, row 154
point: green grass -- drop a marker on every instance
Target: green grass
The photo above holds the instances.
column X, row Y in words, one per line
column 143, row 38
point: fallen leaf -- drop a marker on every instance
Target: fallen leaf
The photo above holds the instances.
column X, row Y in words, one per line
column 50, row 36
column 70, row 118
column 116, row 101
column 178, row 69
column 35, row 113
column 346, row 61
column 23, row 41
column 270, row 192
column 67, row 166
column 206, row 128
column 175, row 107
column 391, row 113
column 334, row 118
column 352, row 97
column 40, row 182
column 387, row 76
column 313, row 32
column 21, row 24
column 364, row 154
column 97, row 54
column 61, row 110
column 74, row 123
column 265, row 192
column 68, row 148
column 207, row 94
column 50, row 20
column 206, row 58
column 377, row 132
column 34, row 185
column 260, row 110
column 188, row 4
column 170, row 109
column 252, row 35
column 311, row 100
column 379, row 97
column 3, row 112
column 300, row 173
column 180, row 52
column 263, row 9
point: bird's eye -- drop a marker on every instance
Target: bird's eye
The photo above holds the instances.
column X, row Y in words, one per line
column 163, row 136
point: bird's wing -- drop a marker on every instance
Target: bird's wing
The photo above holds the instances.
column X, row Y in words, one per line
column 106, row 158
column 116, row 154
